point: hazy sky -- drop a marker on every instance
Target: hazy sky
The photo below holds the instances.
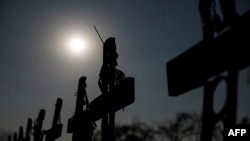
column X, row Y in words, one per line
column 37, row 67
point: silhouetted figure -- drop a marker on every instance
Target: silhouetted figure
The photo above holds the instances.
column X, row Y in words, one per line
column 210, row 19
column 55, row 131
column 28, row 130
column 109, row 77
column 20, row 134
column 80, row 124
column 38, row 135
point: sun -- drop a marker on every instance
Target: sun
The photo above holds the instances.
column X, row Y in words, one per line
column 77, row 45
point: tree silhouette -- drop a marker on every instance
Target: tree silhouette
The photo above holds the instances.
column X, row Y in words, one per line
column 219, row 128
column 186, row 125
column 137, row 131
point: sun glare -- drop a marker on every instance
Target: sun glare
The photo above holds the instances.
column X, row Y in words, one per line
column 77, row 45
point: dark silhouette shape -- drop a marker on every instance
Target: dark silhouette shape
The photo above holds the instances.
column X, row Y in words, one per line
column 9, row 138
column 15, row 137
column 109, row 74
column 20, row 134
column 192, row 68
column 55, row 131
column 111, row 81
column 121, row 96
column 28, row 130
column 196, row 66
column 109, row 77
column 38, row 135
column 187, row 126
column 117, row 91
column 228, row 114
column 137, row 131
column 80, row 124
column 184, row 126
column 210, row 19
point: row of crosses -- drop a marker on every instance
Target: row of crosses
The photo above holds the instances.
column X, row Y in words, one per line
column 35, row 127
column 117, row 93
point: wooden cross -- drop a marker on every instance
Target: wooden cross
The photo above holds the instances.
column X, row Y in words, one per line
column 38, row 123
column 28, row 130
column 121, row 96
column 20, row 134
column 80, row 124
column 55, row 131
column 195, row 67
column 117, row 93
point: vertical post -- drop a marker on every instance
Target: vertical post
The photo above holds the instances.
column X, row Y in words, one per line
column 209, row 118
column 56, row 117
column 80, row 124
column 108, row 78
column 15, row 137
column 20, row 134
column 9, row 138
column 78, row 134
column 55, row 131
column 28, row 130
column 231, row 110
column 104, row 128
column 38, row 135
column 112, row 126
column 106, row 84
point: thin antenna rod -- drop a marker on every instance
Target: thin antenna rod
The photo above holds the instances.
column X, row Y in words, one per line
column 98, row 34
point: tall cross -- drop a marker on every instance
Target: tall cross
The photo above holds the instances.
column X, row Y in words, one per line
column 117, row 93
column 195, row 67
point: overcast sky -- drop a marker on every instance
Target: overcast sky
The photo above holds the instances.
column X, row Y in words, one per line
column 37, row 67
